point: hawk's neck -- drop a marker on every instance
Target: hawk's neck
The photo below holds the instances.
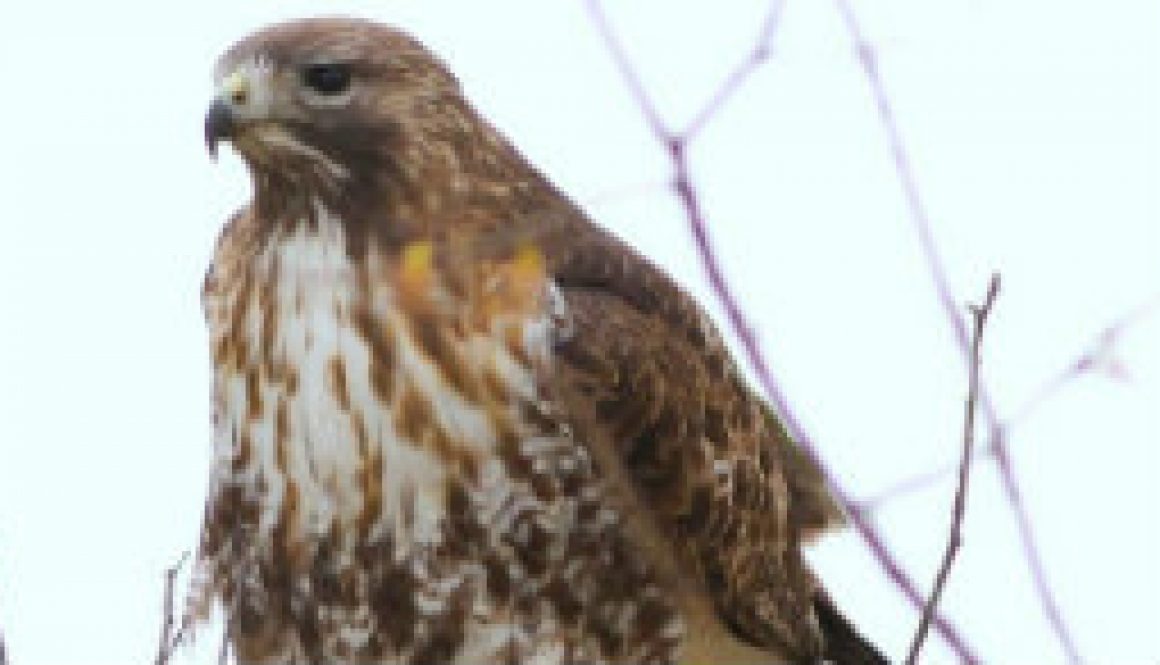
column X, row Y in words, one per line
column 463, row 179
column 322, row 361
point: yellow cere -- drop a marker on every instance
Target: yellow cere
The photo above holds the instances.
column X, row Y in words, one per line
column 235, row 87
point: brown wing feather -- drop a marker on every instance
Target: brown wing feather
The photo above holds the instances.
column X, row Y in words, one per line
column 586, row 256
column 734, row 496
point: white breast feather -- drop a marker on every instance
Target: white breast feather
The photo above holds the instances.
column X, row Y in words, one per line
column 318, row 286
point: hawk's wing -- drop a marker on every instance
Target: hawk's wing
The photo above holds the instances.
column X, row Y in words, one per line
column 731, row 495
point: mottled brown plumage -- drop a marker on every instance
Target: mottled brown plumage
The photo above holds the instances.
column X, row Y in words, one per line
column 455, row 421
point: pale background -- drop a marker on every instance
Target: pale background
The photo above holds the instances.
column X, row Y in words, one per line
column 1035, row 132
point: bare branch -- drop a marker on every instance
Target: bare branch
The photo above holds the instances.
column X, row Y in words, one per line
column 1031, row 550
column 170, row 637
column 1094, row 357
column 902, row 165
column 959, row 508
column 686, row 193
column 906, row 486
column 1087, row 361
column 760, row 53
column 635, row 85
column 1099, row 354
column 938, row 274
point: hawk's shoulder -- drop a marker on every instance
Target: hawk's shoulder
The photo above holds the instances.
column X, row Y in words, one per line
column 236, row 242
column 733, row 495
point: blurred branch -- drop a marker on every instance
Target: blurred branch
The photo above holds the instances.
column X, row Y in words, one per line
column 224, row 649
column 625, row 192
column 910, row 485
column 762, row 48
column 686, row 193
column 170, row 637
column 921, row 221
column 624, row 65
column 1099, row 354
column 3, row 651
column 959, row 508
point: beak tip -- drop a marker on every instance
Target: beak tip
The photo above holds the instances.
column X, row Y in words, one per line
column 219, row 124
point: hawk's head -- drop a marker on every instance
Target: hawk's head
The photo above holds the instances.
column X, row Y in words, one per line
column 322, row 101
column 364, row 119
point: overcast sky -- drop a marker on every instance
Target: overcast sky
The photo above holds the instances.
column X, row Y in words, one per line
column 1034, row 129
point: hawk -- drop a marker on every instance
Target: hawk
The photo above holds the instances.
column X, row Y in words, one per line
column 454, row 421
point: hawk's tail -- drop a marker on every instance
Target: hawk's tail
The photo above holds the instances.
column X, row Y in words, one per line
column 843, row 644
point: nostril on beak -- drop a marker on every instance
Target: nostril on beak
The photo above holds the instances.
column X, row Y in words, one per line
column 235, row 90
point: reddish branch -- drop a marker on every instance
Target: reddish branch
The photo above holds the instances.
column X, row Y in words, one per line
column 1098, row 355
column 915, row 483
column 762, row 48
column 959, row 508
column 938, row 274
column 686, row 193
column 635, row 85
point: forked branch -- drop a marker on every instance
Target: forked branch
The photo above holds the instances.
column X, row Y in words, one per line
column 687, row 195
column 938, row 273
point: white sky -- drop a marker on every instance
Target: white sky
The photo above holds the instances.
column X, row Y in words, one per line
column 1035, row 133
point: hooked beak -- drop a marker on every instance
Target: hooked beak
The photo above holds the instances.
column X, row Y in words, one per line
column 219, row 124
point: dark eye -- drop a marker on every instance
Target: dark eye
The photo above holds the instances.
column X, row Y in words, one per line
column 327, row 79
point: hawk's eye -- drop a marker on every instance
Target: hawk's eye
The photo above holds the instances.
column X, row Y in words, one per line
column 331, row 78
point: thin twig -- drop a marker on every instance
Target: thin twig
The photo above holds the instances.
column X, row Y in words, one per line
column 1099, row 354
column 1096, row 355
column 936, row 266
column 687, row 195
column 762, row 48
column 635, row 86
column 170, row 638
column 959, row 508
column 907, row 486
column 3, row 651
column 1031, row 550
column 902, row 165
